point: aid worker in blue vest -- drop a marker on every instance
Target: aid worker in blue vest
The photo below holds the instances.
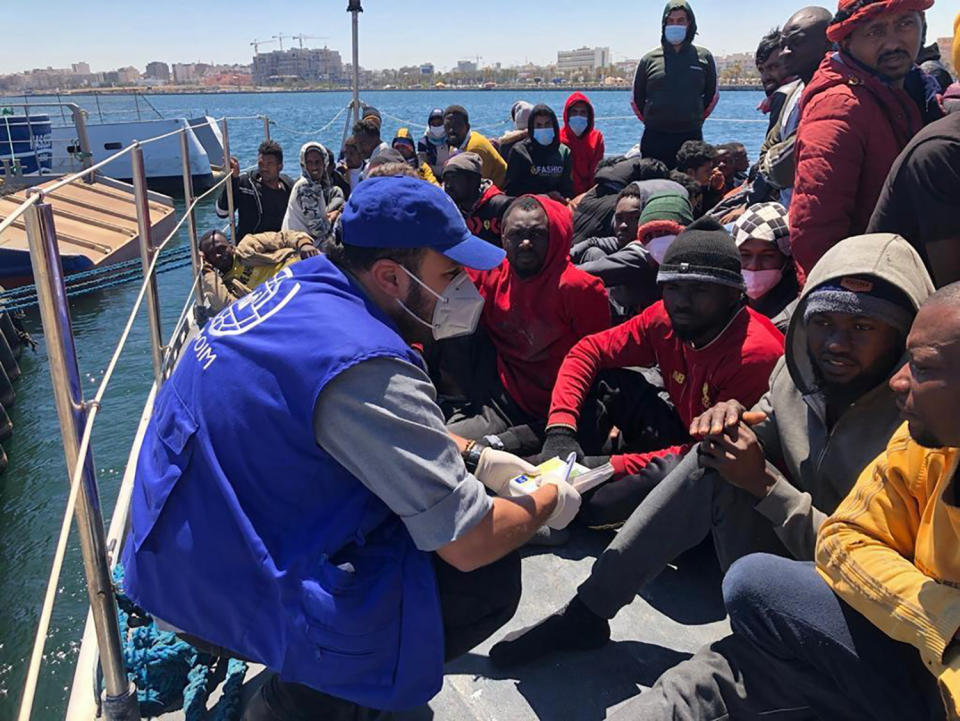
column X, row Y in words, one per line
column 298, row 501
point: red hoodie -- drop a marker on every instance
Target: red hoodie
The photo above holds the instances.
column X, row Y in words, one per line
column 736, row 364
column 534, row 322
column 852, row 127
column 586, row 150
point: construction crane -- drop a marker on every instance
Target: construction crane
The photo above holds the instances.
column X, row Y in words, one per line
column 280, row 38
column 302, row 37
column 257, row 43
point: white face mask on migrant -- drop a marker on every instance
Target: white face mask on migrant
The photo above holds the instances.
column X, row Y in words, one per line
column 458, row 308
column 657, row 247
column 761, row 282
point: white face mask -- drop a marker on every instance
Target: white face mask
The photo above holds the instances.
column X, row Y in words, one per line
column 458, row 308
column 761, row 282
column 436, row 132
column 657, row 247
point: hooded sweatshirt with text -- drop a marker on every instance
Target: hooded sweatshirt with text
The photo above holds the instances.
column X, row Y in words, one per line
column 535, row 169
column 533, row 322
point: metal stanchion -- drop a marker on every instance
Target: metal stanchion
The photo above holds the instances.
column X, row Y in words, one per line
column 188, row 201
column 266, row 128
column 146, row 257
column 86, row 155
column 225, row 133
column 120, row 694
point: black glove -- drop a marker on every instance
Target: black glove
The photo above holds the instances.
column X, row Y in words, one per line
column 561, row 441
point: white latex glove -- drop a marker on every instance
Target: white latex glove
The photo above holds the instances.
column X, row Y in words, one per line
column 568, row 502
column 496, row 468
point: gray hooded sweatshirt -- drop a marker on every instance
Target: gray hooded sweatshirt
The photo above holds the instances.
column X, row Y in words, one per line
column 820, row 465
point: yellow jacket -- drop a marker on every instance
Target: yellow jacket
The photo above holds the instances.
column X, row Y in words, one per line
column 425, row 173
column 892, row 551
column 494, row 166
column 258, row 257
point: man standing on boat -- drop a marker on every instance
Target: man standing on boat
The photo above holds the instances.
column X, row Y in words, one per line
column 675, row 86
column 298, row 501
column 260, row 197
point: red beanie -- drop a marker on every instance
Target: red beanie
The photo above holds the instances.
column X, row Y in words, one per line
column 658, row 229
column 851, row 13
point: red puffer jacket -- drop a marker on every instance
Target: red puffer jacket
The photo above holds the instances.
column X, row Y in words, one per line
column 852, row 128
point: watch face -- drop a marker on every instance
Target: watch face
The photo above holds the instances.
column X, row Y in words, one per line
column 494, row 442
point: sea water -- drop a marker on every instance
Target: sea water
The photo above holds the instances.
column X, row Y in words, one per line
column 34, row 488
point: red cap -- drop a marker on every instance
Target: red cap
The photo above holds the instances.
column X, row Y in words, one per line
column 851, row 13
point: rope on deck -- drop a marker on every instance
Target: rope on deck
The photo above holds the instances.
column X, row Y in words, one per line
column 170, row 673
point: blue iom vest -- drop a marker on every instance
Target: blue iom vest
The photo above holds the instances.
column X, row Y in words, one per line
column 248, row 535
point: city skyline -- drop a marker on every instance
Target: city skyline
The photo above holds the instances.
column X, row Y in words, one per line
column 628, row 28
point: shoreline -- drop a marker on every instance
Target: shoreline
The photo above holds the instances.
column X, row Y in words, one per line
column 220, row 90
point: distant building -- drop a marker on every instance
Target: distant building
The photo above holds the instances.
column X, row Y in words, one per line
column 128, row 75
column 946, row 53
column 81, row 68
column 158, row 71
column 427, row 69
column 467, row 67
column 569, row 61
column 184, row 73
column 312, row 65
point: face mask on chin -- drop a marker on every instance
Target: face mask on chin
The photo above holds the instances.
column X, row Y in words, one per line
column 761, row 282
column 675, row 34
column 578, row 124
column 457, row 311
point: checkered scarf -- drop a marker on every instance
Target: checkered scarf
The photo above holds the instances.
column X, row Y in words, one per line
column 764, row 221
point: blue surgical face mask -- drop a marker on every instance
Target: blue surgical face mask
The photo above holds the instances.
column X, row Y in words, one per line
column 578, row 123
column 544, row 136
column 675, row 34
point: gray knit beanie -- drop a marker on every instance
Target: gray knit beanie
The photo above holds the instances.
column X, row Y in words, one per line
column 864, row 295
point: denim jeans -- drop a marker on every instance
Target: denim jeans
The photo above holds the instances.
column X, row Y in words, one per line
column 797, row 652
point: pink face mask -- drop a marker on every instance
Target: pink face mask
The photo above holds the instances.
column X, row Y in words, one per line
column 761, row 282
column 657, row 247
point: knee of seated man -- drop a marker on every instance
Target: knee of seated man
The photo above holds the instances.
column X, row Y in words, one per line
column 749, row 587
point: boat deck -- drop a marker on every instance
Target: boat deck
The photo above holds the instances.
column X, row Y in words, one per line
column 96, row 226
column 679, row 612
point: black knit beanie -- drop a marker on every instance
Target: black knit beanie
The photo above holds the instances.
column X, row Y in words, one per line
column 704, row 252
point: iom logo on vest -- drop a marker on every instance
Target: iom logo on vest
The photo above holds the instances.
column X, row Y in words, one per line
column 256, row 307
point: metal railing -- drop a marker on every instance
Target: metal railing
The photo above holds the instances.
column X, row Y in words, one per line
column 77, row 415
column 11, row 159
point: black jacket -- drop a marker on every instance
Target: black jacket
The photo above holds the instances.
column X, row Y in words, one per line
column 259, row 208
column 539, row 169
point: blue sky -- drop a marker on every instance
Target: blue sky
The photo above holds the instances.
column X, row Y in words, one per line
column 108, row 34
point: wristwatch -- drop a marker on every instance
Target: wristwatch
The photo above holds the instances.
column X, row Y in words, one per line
column 494, row 442
column 471, row 455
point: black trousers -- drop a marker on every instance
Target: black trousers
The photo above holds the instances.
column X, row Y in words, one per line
column 474, row 605
column 634, row 401
column 483, row 406
column 664, row 146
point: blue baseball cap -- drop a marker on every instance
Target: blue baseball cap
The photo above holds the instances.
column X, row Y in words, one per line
column 404, row 212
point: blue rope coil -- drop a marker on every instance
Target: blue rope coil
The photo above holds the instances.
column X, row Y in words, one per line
column 96, row 279
column 170, row 673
